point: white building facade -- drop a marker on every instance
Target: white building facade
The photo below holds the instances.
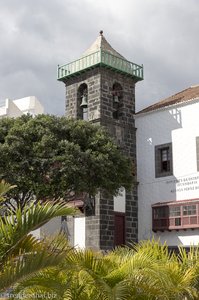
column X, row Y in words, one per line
column 168, row 170
column 16, row 108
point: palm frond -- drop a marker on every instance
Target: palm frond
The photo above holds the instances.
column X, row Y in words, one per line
column 5, row 188
column 15, row 227
column 21, row 255
column 145, row 272
column 46, row 254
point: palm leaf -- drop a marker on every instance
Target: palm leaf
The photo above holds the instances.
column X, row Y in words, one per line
column 20, row 253
column 15, row 227
column 4, row 188
column 46, row 254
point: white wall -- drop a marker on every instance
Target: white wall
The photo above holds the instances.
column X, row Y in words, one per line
column 179, row 125
column 12, row 110
column 16, row 108
column 3, row 111
column 29, row 105
column 51, row 228
column 181, row 237
column 36, row 233
column 79, row 232
column 9, row 109
column 120, row 201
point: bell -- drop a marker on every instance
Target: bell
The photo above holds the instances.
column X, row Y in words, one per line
column 115, row 99
column 84, row 101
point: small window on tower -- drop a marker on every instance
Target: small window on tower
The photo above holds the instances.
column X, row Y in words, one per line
column 117, row 100
column 82, row 102
column 163, row 160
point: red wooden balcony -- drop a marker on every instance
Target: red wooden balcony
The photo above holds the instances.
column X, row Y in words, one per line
column 175, row 215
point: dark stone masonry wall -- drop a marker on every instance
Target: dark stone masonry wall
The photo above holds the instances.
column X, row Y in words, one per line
column 93, row 227
column 106, row 222
column 92, row 79
column 125, row 134
column 100, row 227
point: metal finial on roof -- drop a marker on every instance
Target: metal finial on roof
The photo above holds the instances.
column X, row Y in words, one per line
column 101, row 32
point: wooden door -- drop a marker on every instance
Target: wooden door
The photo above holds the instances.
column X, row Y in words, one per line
column 119, row 229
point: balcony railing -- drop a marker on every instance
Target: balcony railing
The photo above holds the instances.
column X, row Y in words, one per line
column 175, row 215
column 99, row 58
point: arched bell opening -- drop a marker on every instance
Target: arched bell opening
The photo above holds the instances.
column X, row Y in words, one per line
column 82, row 102
column 117, row 93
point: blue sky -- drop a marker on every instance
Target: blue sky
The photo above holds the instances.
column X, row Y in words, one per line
column 37, row 35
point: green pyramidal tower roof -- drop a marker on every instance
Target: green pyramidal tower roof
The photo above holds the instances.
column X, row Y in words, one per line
column 100, row 53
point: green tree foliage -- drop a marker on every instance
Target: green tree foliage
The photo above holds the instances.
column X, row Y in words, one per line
column 22, row 255
column 148, row 271
column 50, row 157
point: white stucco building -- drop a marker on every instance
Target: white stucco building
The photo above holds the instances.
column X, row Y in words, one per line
column 18, row 107
column 168, row 169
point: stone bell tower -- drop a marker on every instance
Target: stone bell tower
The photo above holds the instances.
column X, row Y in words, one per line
column 100, row 88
